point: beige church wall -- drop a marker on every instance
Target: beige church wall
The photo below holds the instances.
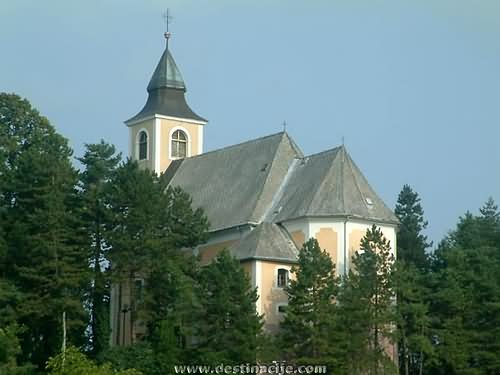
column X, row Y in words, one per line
column 247, row 266
column 195, row 139
column 298, row 229
column 327, row 240
column 330, row 235
column 208, row 252
column 149, row 126
column 270, row 296
column 298, row 238
column 356, row 230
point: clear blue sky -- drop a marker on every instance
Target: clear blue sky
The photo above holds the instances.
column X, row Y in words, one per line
column 413, row 86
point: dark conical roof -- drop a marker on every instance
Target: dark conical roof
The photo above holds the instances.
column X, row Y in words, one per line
column 166, row 74
column 166, row 91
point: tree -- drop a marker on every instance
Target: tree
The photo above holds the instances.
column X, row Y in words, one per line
column 229, row 325
column 44, row 258
column 367, row 307
column 414, row 341
column 465, row 302
column 73, row 362
column 100, row 162
column 151, row 225
column 413, row 264
column 307, row 332
column 412, row 244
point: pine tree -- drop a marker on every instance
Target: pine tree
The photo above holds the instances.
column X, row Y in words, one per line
column 100, row 161
column 412, row 244
column 150, row 227
column 44, row 258
column 367, row 307
column 412, row 267
column 307, row 332
column 229, row 325
column 414, row 344
column 465, row 303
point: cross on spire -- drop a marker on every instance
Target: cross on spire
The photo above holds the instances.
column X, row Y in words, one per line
column 168, row 19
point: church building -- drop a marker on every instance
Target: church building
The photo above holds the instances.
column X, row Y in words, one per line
column 263, row 198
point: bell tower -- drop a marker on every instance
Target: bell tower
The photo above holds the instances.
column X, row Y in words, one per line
column 166, row 128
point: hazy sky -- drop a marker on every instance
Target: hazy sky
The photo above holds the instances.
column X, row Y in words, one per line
column 413, row 86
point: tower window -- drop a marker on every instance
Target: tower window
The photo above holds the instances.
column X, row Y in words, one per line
column 282, row 280
column 143, row 145
column 179, row 144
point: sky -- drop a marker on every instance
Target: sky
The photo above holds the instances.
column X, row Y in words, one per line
column 413, row 87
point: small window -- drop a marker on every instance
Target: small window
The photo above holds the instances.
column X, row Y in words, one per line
column 282, row 278
column 179, row 144
column 143, row 145
column 282, row 309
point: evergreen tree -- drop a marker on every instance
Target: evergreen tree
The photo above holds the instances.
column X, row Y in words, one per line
column 414, row 344
column 367, row 307
column 229, row 325
column 44, row 258
column 307, row 332
column 413, row 264
column 411, row 242
column 100, row 161
column 151, row 224
column 465, row 303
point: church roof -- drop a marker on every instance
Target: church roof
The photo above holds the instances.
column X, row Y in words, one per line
column 269, row 180
column 166, row 74
column 330, row 184
column 236, row 185
column 267, row 241
column 166, row 93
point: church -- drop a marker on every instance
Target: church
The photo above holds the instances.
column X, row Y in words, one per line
column 263, row 198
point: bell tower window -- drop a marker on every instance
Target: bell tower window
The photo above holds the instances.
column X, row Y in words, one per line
column 179, row 144
column 143, row 145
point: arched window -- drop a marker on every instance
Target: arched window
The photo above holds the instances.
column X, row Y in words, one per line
column 282, row 280
column 143, row 145
column 179, row 144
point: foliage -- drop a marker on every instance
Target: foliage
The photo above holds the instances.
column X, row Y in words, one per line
column 43, row 259
column 100, row 162
column 366, row 304
column 139, row 356
column 465, row 300
column 308, row 333
column 229, row 324
column 73, row 362
column 411, row 242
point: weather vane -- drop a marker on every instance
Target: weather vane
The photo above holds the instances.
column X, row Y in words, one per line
column 168, row 19
column 284, row 126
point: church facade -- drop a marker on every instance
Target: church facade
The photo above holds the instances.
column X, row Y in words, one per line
column 263, row 198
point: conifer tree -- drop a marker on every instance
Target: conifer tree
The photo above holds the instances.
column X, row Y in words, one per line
column 307, row 332
column 367, row 307
column 465, row 299
column 412, row 244
column 412, row 267
column 44, row 257
column 99, row 161
column 229, row 325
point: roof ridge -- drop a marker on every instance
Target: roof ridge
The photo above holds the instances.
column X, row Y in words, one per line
column 322, row 152
column 323, row 181
column 257, row 201
column 356, row 182
column 233, row 146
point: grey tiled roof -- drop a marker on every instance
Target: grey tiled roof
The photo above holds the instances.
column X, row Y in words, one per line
column 330, row 184
column 266, row 242
column 269, row 180
column 236, row 185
